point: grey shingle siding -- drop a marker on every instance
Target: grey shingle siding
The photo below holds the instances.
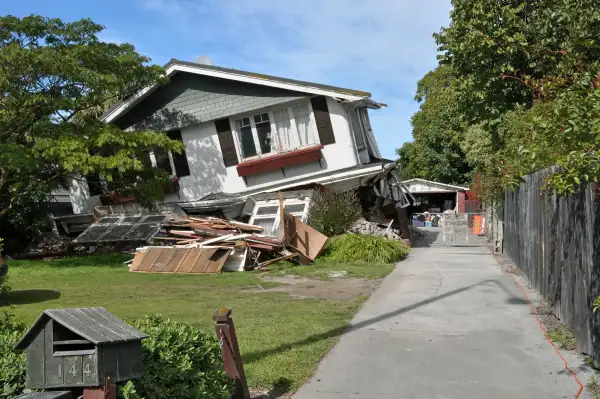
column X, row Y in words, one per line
column 190, row 99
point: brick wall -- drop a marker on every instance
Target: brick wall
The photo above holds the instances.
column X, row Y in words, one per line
column 190, row 99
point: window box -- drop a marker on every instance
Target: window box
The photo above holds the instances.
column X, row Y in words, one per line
column 278, row 161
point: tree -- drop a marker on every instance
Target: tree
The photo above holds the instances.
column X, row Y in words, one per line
column 54, row 78
column 527, row 87
column 438, row 131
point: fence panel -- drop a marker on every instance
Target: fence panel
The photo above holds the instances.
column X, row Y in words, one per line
column 555, row 242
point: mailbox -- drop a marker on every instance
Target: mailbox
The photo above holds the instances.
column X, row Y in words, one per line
column 46, row 395
column 80, row 347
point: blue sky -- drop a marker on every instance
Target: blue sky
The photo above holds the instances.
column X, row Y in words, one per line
column 382, row 46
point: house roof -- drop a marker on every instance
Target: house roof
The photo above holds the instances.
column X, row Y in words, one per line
column 443, row 186
column 176, row 66
column 96, row 325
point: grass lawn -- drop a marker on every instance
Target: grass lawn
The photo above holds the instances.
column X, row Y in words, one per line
column 281, row 338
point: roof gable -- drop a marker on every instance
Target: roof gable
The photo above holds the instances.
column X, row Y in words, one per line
column 176, row 66
column 96, row 325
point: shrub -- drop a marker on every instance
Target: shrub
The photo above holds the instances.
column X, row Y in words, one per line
column 180, row 361
column 4, row 287
column 333, row 213
column 12, row 365
column 364, row 248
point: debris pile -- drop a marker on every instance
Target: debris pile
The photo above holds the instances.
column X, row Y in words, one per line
column 210, row 245
column 363, row 226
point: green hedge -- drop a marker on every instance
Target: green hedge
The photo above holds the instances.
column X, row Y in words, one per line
column 180, row 361
column 12, row 365
column 364, row 248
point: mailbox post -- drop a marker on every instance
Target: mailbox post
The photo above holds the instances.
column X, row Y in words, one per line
column 231, row 352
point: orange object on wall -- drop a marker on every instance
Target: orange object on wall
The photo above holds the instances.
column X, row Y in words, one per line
column 477, row 225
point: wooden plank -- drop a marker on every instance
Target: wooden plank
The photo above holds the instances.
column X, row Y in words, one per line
column 73, row 370
column 179, row 256
column 162, row 261
column 137, row 260
column 151, row 255
column 217, row 261
column 290, row 256
column 202, row 263
column 90, row 372
column 307, row 240
column 190, row 260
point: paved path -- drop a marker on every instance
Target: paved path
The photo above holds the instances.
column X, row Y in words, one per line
column 447, row 323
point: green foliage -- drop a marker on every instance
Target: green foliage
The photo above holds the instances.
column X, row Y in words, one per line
column 4, row 286
column 12, row 365
column 53, row 74
column 436, row 153
column 180, row 361
column 563, row 337
column 364, row 248
column 333, row 213
column 596, row 304
column 526, row 81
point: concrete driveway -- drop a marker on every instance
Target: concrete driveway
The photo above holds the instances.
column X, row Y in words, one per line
column 447, row 323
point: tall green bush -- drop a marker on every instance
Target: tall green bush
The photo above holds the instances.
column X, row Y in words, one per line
column 364, row 248
column 4, row 286
column 333, row 213
column 12, row 365
column 180, row 361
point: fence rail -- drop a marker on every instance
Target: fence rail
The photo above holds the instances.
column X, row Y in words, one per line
column 555, row 242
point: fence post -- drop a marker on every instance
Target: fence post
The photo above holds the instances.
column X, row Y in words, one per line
column 232, row 358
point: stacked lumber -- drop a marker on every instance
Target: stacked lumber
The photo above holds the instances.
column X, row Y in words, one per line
column 209, row 245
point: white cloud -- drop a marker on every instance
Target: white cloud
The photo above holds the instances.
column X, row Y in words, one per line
column 383, row 47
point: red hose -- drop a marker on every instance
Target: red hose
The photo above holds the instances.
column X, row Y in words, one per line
column 537, row 317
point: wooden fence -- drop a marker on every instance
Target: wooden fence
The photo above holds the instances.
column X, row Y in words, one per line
column 555, row 242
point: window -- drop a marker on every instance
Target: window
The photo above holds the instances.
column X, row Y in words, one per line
column 170, row 162
column 163, row 161
column 263, row 130
column 94, row 184
column 357, row 128
column 278, row 131
column 266, row 214
column 245, row 137
column 180, row 162
column 306, row 134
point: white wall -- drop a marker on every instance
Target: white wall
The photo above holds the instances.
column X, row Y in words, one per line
column 79, row 194
column 209, row 174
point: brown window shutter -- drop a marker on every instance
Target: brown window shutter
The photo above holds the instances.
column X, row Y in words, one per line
column 230, row 157
column 324, row 127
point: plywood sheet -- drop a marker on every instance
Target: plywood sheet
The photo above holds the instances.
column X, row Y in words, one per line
column 181, row 260
column 304, row 238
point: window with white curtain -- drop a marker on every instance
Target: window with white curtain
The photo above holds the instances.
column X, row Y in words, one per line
column 281, row 130
column 306, row 135
column 294, row 128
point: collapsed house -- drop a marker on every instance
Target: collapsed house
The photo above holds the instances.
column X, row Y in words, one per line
column 248, row 137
